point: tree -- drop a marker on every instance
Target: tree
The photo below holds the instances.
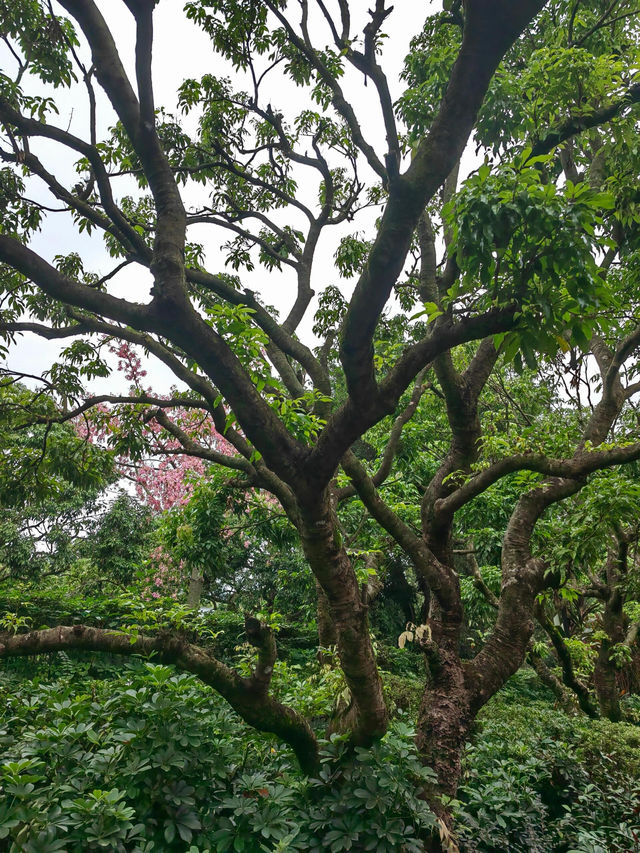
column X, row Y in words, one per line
column 529, row 263
column 595, row 563
column 50, row 481
column 117, row 540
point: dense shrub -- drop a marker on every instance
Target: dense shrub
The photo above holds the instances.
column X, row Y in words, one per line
column 101, row 754
column 153, row 761
column 537, row 780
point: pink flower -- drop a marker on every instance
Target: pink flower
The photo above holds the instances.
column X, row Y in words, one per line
column 155, row 595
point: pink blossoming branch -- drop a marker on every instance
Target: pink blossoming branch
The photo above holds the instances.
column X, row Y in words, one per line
column 149, row 446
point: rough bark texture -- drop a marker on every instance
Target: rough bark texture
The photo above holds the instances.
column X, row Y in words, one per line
column 334, row 572
column 613, row 625
column 444, row 718
column 604, row 680
column 327, row 634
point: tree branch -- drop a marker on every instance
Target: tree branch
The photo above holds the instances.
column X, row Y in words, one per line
column 247, row 696
column 31, row 127
column 193, row 448
column 355, row 417
column 579, row 466
column 167, row 265
column 437, row 576
column 394, row 439
column 342, row 106
column 579, row 124
column 568, row 673
column 60, row 287
column 483, row 46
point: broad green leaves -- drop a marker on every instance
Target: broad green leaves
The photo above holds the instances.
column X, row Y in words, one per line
column 521, row 239
column 44, row 40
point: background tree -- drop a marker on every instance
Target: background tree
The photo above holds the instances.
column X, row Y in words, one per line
column 50, row 482
column 118, row 538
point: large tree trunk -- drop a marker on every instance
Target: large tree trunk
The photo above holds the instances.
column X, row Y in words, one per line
column 327, row 634
column 604, row 676
column 604, row 679
column 322, row 544
column 444, row 721
column 445, row 713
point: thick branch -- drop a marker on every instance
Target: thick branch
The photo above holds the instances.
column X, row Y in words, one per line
column 437, row 577
column 65, row 290
column 576, row 125
column 280, row 337
column 354, row 418
column 167, row 265
column 186, row 329
column 394, row 440
column 579, row 466
column 246, row 696
column 484, row 44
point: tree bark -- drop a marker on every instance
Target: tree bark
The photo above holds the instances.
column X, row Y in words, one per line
column 322, row 545
column 196, row 585
column 327, row 634
column 444, row 720
column 445, row 714
column 612, row 594
column 604, row 676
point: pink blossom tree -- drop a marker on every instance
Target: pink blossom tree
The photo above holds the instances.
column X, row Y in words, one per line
column 148, row 443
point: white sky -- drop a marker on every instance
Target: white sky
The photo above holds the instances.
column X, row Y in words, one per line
column 182, row 50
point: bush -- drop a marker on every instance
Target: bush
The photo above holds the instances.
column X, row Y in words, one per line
column 151, row 760
column 537, row 780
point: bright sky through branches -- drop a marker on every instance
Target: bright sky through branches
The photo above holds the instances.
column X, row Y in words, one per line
column 182, row 50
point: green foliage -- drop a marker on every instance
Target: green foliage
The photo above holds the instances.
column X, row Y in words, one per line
column 525, row 239
column 351, row 255
column 43, row 460
column 13, row 623
column 427, row 70
column 536, row 780
column 118, row 539
column 154, row 761
column 50, row 480
column 44, row 38
column 143, row 759
column 244, row 546
column 479, row 613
